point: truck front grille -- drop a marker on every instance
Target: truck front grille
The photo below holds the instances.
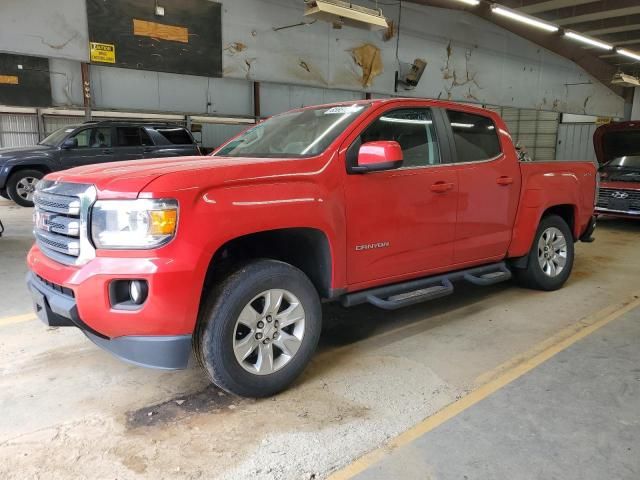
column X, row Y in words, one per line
column 607, row 196
column 61, row 219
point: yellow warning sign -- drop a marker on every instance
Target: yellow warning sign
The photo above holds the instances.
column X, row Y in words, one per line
column 102, row 52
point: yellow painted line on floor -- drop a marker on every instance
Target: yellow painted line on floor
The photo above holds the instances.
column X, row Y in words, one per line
column 25, row 317
column 480, row 393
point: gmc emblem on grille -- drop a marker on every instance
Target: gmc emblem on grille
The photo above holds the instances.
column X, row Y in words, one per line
column 42, row 220
column 620, row 195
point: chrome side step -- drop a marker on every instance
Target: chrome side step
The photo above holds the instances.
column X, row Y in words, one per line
column 392, row 297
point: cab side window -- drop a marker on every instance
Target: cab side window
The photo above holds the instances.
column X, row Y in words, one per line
column 129, row 137
column 84, row 137
column 413, row 129
column 94, row 137
column 475, row 136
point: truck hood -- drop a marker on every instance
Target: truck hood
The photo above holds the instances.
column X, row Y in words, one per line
column 616, row 139
column 127, row 179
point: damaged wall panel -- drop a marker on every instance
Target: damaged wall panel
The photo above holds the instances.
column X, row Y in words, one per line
column 468, row 59
column 187, row 39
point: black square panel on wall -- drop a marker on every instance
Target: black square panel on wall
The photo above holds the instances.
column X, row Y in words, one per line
column 187, row 39
column 24, row 81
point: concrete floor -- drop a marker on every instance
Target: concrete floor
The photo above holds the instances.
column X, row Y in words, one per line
column 575, row 417
column 69, row 410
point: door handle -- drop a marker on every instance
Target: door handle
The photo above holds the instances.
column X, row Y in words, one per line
column 147, row 150
column 504, row 181
column 441, row 187
column 107, row 150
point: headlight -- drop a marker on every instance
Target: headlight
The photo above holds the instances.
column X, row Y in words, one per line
column 134, row 224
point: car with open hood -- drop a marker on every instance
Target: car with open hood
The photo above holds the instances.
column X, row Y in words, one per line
column 617, row 147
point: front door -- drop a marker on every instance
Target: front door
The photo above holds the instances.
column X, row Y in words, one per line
column 401, row 222
column 94, row 145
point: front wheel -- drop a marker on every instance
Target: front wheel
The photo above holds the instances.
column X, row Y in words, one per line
column 259, row 329
column 551, row 256
column 22, row 185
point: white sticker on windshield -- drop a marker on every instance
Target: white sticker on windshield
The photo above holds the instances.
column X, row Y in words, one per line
column 344, row 109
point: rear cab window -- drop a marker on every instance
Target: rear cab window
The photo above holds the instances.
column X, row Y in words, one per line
column 475, row 137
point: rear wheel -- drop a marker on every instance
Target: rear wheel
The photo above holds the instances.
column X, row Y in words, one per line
column 259, row 329
column 550, row 260
column 22, row 185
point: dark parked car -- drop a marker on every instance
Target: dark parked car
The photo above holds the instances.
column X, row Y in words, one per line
column 92, row 142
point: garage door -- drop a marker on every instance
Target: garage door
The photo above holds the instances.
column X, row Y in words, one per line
column 535, row 130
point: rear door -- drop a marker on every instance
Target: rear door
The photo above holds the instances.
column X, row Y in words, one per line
column 401, row 223
column 170, row 141
column 489, row 186
column 94, row 145
column 129, row 143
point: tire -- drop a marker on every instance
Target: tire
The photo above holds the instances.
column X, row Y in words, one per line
column 20, row 185
column 543, row 270
column 4, row 194
column 222, row 338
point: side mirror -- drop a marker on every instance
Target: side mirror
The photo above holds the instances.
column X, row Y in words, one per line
column 378, row 156
column 70, row 143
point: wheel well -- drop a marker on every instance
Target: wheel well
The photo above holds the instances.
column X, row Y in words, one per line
column 41, row 168
column 566, row 212
column 304, row 248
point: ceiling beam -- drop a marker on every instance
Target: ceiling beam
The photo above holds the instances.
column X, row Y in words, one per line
column 552, row 5
column 609, row 30
column 587, row 17
column 628, row 23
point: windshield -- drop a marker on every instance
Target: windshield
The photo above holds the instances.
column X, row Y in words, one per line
column 58, row 136
column 301, row 133
column 625, row 162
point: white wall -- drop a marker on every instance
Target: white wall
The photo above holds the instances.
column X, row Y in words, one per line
column 491, row 65
column 635, row 109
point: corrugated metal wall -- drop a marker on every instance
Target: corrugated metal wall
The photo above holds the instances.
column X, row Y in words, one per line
column 54, row 122
column 575, row 141
column 18, row 130
column 536, row 130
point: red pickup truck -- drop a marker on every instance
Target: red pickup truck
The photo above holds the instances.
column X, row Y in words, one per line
column 386, row 201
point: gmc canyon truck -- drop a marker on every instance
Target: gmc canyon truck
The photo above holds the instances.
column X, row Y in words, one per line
column 386, row 201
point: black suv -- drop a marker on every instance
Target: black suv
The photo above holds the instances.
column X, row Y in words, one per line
column 91, row 142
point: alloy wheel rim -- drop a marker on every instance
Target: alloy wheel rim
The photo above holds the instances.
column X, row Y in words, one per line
column 552, row 252
column 269, row 331
column 25, row 188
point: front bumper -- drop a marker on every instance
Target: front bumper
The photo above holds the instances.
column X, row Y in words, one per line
column 56, row 307
column 618, row 213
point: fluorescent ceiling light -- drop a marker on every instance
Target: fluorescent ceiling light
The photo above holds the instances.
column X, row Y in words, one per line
column 587, row 40
column 518, row 17
column 627, row 53
column 473, row 3
column 462, row 125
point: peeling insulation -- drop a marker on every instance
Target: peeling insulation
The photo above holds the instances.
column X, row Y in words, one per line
column 369, row 59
